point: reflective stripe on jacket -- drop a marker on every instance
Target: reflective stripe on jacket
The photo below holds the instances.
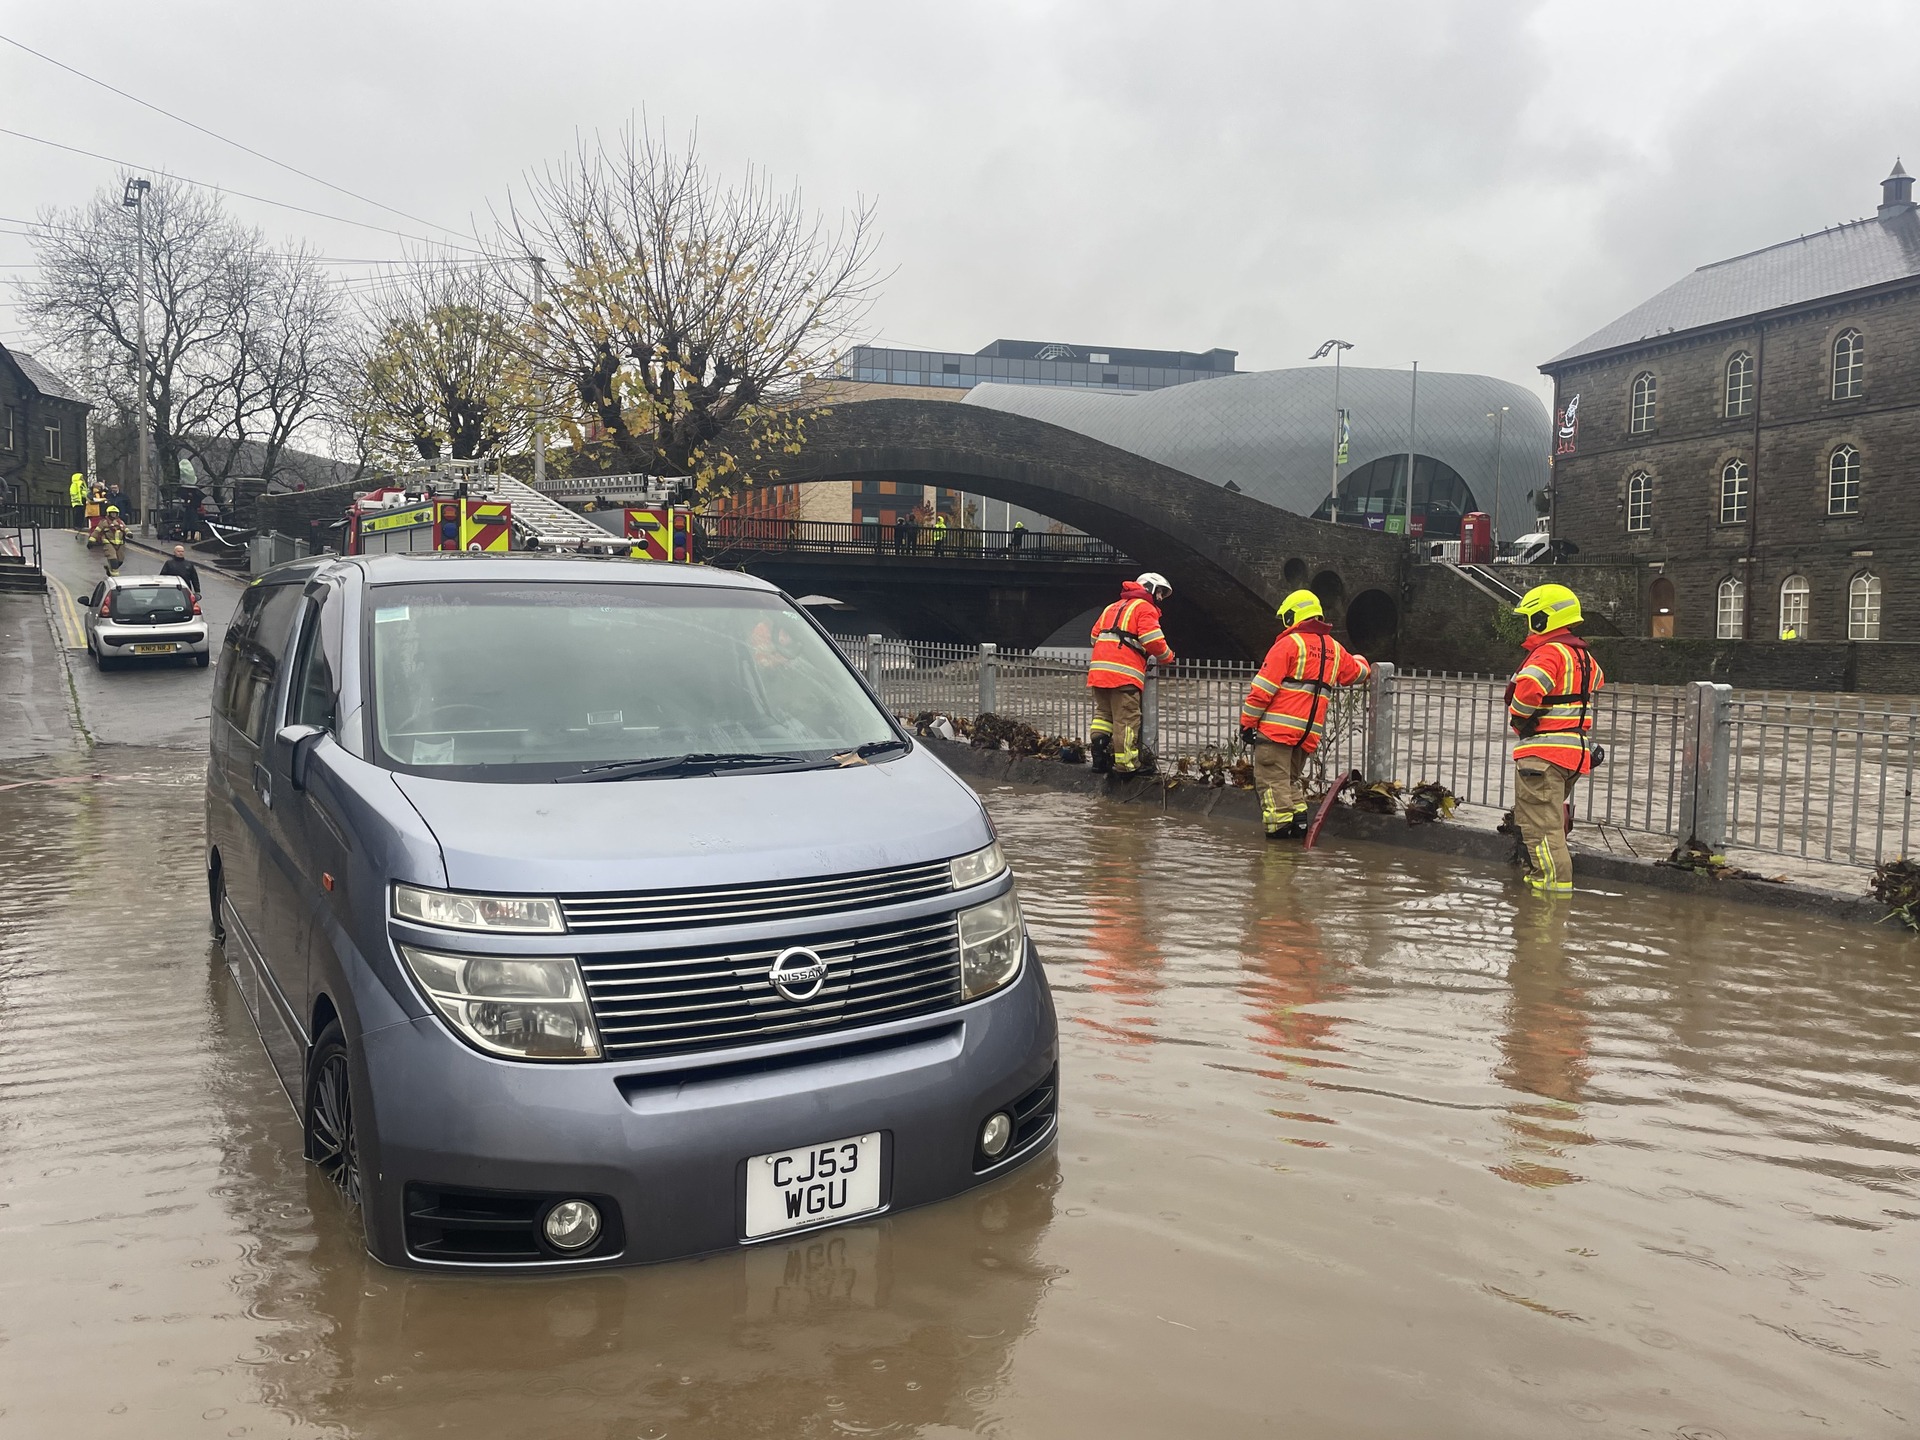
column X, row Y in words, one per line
column 1289, row 699
column 1127, row 632
column 1550, row 701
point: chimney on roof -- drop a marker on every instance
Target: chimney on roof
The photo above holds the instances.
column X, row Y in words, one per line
column 1896, row 192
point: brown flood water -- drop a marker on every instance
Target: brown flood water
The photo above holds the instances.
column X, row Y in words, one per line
column 1355, row 1144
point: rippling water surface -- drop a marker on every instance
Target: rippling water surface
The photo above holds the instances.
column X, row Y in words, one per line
column 1357, row 1143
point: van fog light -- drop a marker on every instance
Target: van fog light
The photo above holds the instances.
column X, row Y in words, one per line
column 995, row 1134
column 572, row 1225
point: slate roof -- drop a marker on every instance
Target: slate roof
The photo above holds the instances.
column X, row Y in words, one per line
column 1858, row 255
column 43, row 379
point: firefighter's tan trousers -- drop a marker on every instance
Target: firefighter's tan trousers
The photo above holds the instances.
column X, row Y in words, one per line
column 1116, row 714
column 1540, row 793
column 1277, row 772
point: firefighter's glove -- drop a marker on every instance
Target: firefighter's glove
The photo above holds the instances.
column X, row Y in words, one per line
column 1248, row 735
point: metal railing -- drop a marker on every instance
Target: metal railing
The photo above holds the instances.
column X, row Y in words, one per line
column 1820, row 777
column 19, row 514
column 717, row 535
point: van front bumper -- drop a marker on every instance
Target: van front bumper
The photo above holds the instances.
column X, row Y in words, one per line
column 667, row 1147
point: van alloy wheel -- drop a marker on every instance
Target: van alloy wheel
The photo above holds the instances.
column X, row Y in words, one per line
column 330, row 1125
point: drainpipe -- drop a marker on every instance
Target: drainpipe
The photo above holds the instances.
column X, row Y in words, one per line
column 1753, row 477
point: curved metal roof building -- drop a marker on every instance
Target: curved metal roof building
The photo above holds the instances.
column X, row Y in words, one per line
column 1269, row 433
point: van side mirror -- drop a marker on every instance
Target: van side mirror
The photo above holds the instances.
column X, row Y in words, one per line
column 295, row 743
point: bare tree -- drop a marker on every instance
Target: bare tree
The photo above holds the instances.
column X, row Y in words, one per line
column 438, row 366
column 680, row 312
column 234, row 330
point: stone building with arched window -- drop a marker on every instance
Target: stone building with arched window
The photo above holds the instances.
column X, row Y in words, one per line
column 1752, row 435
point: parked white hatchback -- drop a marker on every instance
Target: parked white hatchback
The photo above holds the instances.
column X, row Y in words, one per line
column 145, row 617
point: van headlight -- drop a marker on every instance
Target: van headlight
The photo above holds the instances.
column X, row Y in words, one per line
column 521, row 914
column 992, row 937
column 529, row 1009
column 977, row 868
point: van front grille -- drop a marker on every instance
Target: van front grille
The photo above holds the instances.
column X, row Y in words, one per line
column 700, row 999
column 743, row 904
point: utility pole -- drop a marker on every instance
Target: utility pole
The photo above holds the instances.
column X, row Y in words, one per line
column 1499, row 418
column 1413, row 420
column 1338, row 347
column 539, row 431
column 136, row 192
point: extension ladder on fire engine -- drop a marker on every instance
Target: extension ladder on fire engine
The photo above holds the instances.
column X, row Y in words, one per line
column 538, row 521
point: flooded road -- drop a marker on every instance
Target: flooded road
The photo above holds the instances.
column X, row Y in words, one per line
column 1354, row 1144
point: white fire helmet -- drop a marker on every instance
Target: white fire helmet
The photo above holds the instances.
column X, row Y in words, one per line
column 1155, row 584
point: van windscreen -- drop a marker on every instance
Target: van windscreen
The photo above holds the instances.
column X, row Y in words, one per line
column 524, row 681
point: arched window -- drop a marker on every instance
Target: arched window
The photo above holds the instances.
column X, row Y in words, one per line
column 1794, row 592
column 1849, row 365
column 1733, row 493
column 1639, row 502
column 1843, row 481
column 1640, row 416
column 1863, row 608
column 1730, row 618
column 1740, row 385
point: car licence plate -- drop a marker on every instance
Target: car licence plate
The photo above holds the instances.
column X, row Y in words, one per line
column 790, row 1189
column 153, row 649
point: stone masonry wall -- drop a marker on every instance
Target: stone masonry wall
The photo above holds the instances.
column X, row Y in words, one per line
column 1795, row 428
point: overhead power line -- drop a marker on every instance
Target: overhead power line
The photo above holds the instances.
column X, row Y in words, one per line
column 244, row 195
column 228, row 140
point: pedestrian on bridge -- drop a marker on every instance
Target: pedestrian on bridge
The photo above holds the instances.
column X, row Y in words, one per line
column 1284, row 714
column 1124, row 637
column 939, row 532
column 1550, row 706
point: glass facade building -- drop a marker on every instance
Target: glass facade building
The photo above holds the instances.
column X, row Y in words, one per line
column 1035, row 362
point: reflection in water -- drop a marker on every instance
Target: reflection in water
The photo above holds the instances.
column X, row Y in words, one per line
column 1323, row 1116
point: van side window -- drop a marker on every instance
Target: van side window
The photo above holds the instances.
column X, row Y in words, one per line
column 313, row 691
column 245, row 616
column 260, row 658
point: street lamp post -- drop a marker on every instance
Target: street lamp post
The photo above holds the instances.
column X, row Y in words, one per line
column 1499, row 418
column 1413, row 421
column 539, row 430
column 136, row 192
column 1337, row 348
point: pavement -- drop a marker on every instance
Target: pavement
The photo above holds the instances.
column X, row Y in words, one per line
column 160, row 704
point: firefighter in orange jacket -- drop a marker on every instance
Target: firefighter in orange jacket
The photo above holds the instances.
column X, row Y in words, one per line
column 1550, row 706
column 1286, row 707
column 1125, row 635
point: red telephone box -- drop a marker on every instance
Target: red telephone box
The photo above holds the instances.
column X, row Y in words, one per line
column 1476, row 539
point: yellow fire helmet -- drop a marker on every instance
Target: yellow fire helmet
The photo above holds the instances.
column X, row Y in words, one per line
column 1549, row 607
column 1300, row 605
column 113, row 509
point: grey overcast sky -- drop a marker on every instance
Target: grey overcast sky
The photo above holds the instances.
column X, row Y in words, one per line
column 1472, row 183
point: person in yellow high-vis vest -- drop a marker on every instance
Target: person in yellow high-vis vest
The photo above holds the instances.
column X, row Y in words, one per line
column 77, row 500
column 1550, row 706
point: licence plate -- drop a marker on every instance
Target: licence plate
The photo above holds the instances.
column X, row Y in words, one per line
column 153, row 649
column 790, row 1189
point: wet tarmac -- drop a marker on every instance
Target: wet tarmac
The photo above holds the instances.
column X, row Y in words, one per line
column 1355, row 1144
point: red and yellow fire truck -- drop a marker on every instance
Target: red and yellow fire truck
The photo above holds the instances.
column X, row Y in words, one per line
column 449, row 515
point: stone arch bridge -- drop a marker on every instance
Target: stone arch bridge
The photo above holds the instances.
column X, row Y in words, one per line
column 1230, row 558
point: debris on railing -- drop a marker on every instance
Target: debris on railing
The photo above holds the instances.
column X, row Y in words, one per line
column 1429, row 802
column 1896, row 885
column 1214, row 768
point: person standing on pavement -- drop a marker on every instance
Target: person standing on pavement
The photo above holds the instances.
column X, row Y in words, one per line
column 77, row 499
column 1124, row 637
column 113, row 538
column 178, row 565
column 1550, row 706
column 1285, row 710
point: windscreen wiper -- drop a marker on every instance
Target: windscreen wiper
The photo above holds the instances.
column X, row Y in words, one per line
column 860, row 754
column 698, row 763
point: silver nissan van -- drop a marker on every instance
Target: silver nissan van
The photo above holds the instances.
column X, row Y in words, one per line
column 595, row 912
